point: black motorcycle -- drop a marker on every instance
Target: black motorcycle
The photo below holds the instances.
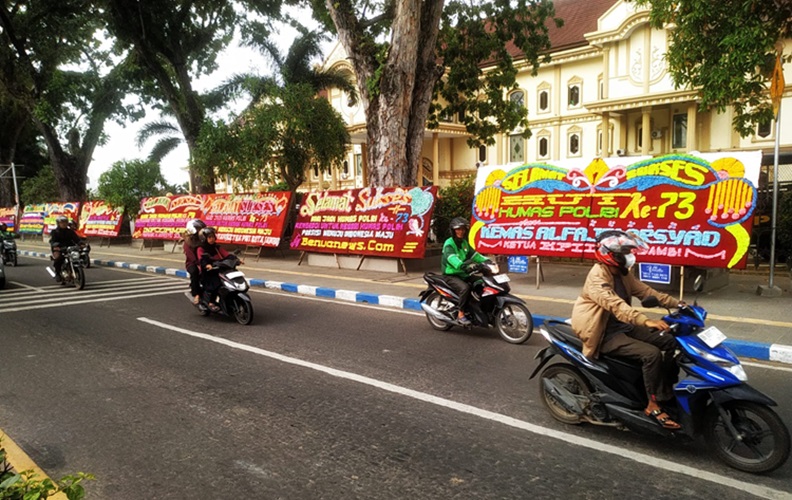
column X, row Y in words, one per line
column 9, row 252
column 232, row 298
column 85, row 253
column 490, row 304
column 72, row 272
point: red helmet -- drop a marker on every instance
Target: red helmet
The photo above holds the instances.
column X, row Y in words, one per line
column 613, row 245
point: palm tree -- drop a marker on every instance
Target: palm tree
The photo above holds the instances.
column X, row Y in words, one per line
column 170, row 135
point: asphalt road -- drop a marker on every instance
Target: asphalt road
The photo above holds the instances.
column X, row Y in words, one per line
column 315, row 399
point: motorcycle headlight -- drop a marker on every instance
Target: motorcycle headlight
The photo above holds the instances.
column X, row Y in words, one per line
column 75, row 255
column 735, row 369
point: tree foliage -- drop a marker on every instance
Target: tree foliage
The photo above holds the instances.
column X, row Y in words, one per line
column 278, row 139
column 175, row 41
column 128, row 182
column 400, row 51
column 53, row 64
column 41, row 188
column 725, row 49
column 455, row 200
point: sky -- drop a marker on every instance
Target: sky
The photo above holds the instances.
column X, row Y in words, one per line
column 122, row 139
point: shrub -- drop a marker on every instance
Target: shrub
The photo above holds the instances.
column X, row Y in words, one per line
column 455, row 200
column 26, row 485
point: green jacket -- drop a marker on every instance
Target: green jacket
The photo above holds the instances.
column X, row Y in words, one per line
column 5, row 235
column 454, row 257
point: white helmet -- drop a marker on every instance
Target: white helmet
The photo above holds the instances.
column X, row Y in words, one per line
column 194, row 226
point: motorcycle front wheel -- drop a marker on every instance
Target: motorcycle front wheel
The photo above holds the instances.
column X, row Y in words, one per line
column 762, row 442
column 514, row 323
column 243, row 311
column 79, row 278
column 570, row 379
column 438, row 303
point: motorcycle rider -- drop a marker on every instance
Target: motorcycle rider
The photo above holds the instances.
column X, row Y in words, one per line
column 61, row 237
column 607, row 324
column 208, row 253
column 191, row 263
column 456, row 262
column 4, row 235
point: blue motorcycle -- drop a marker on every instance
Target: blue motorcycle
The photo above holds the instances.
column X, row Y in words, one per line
column 712, row 398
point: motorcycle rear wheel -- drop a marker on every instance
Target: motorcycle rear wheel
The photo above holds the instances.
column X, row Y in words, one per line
column 514, row 323
column 243, row 311
column 573, row 381
column 79, row 278
column 763, row 444
column 439, row 303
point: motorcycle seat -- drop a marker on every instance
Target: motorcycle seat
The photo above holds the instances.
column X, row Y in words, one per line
column 565, row 333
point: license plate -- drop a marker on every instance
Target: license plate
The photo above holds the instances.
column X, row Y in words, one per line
column 712, row 336
column 501, row 278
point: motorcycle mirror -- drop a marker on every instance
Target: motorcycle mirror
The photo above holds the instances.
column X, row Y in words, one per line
column 698, row 283
column 650, row 301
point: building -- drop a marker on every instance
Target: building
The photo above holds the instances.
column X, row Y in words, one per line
column 606, row 92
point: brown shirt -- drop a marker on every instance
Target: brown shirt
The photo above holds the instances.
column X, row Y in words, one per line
column 598, row 301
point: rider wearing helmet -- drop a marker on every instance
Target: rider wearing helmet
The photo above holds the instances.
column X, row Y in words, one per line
column 456, row 262
column 61, row 237
column 191, row 263
column 208, row 253
column 606, row 322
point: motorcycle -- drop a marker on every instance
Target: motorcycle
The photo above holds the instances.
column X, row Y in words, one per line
column 713, row 399
column 232, row 298
column 85, row 254
column 72, row 272
column 9, row 252
column 490, row 304
column 2, row 274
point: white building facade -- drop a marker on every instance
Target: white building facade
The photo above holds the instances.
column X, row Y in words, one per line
column 606, row 92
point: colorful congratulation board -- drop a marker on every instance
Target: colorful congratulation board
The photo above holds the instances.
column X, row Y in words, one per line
column 690, row 209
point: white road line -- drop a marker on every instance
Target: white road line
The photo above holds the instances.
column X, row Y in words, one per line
column 77, row 302
column 767, row 367
column 659, row 463
column 70, row 295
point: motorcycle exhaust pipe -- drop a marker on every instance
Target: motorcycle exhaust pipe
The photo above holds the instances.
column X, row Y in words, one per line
column 51, row 271
column 562, row 396
column 434, row 312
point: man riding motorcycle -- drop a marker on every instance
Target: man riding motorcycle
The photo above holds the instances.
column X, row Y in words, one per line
column 607, row 324
column 60, row 238
column 456, row 262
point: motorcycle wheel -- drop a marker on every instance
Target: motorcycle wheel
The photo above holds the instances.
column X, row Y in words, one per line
column 573, row 381
column 438, row 302
column 243, row 311
column 79, row 278
column 514, row 323
column 14, row 261
column 763, row 442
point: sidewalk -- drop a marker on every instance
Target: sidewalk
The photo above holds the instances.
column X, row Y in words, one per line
column 758, row 327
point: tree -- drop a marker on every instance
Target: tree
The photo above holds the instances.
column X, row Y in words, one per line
column 128, row 182
column 174, row 42
column 286, row 125
column 428, row 39
column 726, row 50
column 41, row 188
column 40, row 39
column 280, row 138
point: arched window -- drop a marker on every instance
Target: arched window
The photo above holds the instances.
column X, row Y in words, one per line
column 518, row 97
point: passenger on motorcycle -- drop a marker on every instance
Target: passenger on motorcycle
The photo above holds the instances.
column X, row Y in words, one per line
column 60, row 238
column 456, row 262
column 607, row 324
column 191, row 263
column 4, row 234
column 208, row 253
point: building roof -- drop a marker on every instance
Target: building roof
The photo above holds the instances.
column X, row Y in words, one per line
column 580, row 17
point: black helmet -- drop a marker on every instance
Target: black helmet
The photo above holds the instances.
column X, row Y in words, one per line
column 3, row 226
column 206, row 233
column 459, row 222
column 61, row 218
column 195, row 225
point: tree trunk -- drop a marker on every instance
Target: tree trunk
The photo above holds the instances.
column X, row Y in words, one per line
column 396, row 113
column 7, row 152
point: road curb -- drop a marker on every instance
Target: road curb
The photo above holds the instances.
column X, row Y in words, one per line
column 20, row 462
column 742, row 348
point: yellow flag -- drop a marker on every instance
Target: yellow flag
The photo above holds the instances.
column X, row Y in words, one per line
column 777, row 86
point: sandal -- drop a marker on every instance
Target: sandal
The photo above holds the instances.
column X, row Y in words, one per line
column 663, row 419
column 213, row 307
